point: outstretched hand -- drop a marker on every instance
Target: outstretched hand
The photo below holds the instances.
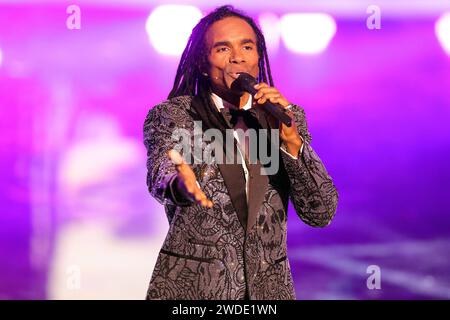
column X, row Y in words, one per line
column 187, row 183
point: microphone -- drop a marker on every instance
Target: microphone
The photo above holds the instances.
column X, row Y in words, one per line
column 245, row 82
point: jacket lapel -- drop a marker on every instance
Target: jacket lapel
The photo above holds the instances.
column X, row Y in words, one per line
column 234, row 180
column 258, row 182
column 233, row 176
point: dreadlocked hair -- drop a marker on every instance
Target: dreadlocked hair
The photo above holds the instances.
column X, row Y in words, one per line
column 194, row 58
column 190, row 78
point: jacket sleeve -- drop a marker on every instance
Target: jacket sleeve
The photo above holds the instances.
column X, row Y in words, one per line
column 312, row 191
column 159, row 125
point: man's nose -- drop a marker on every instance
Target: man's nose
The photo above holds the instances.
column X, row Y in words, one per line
column 236, row 57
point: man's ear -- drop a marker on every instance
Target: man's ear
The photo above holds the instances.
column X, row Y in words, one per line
column 203, row 70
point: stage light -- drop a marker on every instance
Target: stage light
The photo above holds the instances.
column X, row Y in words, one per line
column 308, row 33
column 442, row 29
column 1, row 57
column 169, row 27
column 270, row 25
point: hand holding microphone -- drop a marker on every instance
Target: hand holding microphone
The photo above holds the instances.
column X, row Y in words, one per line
column 271, row 100
column 245, row 82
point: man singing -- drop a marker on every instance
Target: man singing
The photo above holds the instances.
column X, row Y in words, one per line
column 227, row 221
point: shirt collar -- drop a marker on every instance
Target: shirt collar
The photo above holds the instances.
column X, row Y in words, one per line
column 220, row 103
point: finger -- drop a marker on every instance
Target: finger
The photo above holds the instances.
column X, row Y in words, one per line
column 272, row 95
column 197, row 195
column 193, row 187
column 180, row 165
column 201, row 197
column 264, row 91
column 176, row 158
column 278, row 99
column 274, row 99
column 268, row 96
column 204, row 201
column 200, row 200
column 268, row 89
column 281, row 101
column 260, row 85
column 190, row 188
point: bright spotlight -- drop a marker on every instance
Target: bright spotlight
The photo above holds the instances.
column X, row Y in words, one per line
column 442, row 29
column 270, row 25
column 169, row 27
column 308, row 33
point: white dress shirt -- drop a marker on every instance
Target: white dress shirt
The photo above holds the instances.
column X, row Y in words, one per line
column 220, row 103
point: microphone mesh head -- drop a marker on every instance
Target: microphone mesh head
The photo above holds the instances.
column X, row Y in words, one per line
column 244, row 82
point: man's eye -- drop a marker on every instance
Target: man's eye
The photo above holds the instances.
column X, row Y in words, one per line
column 222, row 49
column 248, row 47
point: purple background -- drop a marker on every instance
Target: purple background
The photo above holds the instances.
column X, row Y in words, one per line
column 72, row 172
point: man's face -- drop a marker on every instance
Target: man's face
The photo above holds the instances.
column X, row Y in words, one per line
column 232, row 48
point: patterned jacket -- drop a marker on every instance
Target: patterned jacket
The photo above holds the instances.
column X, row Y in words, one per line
column 236, row 247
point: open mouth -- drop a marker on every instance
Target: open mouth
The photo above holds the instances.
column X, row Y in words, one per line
column 235, row 75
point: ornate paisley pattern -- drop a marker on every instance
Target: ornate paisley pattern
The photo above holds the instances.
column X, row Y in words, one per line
column 207, row 254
